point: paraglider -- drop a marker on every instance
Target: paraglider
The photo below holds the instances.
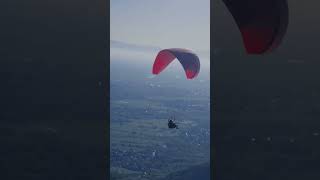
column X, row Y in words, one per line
column 172, row 124
column 262, row 23
column 189, row 61
column 187, row 58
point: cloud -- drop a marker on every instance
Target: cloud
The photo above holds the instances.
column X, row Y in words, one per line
column 123, row 51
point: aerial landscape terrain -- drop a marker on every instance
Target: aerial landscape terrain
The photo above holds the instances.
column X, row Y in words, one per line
column 141, row 144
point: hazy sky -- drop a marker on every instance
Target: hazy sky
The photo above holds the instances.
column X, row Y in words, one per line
column 162, row 23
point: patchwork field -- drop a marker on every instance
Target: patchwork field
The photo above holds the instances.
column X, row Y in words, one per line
column 142, row 146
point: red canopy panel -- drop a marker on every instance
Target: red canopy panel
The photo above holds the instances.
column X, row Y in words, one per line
column 262, row 23
column 187, row 58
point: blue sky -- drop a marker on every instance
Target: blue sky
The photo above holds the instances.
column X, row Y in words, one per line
column 162, row 23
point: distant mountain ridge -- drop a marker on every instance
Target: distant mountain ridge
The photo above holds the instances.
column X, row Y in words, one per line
column 120, row 44
column 138, row 47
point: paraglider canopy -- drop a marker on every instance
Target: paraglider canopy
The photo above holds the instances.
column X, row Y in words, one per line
column 188, row 59
column 262, row 23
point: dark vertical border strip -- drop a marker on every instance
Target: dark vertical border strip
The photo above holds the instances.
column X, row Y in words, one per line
column 107, row 147
column 211, row 93
column 213, row 116
column 49, row 93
